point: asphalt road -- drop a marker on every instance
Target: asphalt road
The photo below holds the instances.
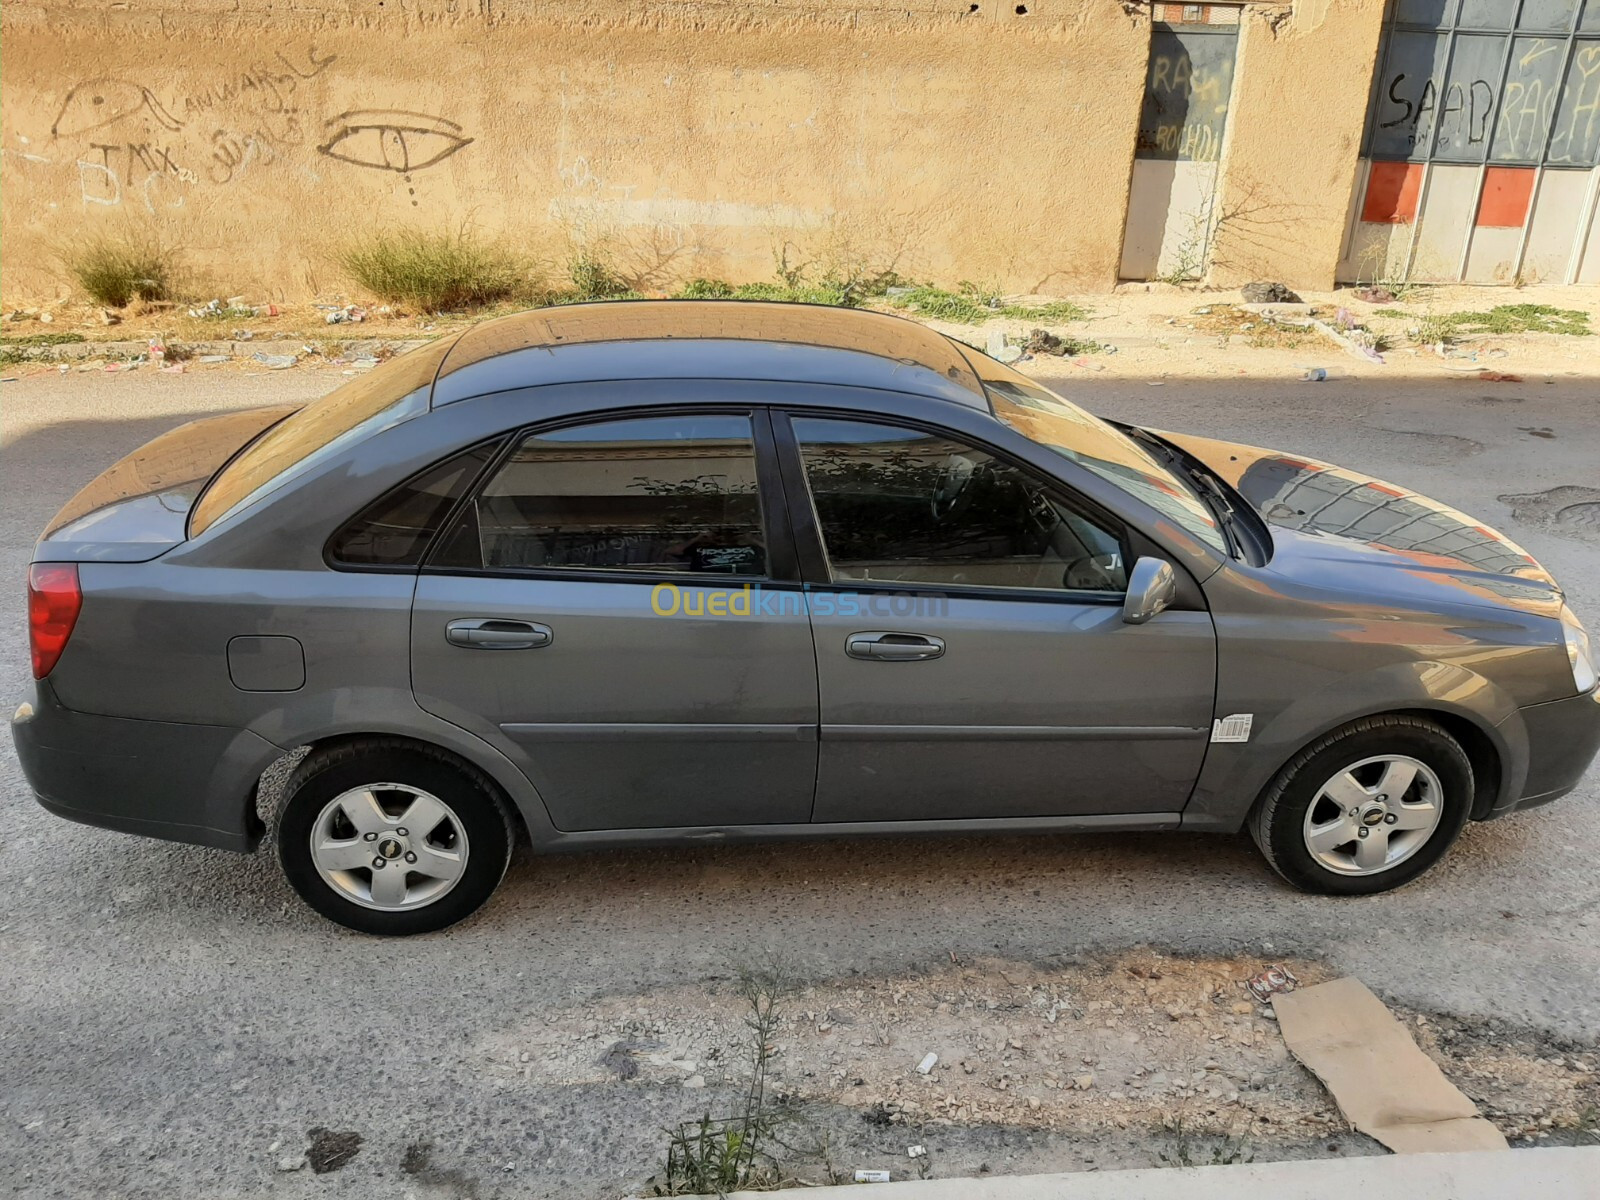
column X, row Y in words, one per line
column 168, row 1013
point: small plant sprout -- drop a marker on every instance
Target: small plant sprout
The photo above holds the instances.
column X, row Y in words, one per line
column 715, row 1155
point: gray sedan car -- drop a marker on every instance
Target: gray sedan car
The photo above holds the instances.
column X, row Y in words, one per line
column 654, row 572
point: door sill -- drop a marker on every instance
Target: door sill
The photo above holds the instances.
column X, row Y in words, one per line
column 703, row 834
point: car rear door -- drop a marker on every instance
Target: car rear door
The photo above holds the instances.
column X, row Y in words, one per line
column 617, row 609
column 972, row 658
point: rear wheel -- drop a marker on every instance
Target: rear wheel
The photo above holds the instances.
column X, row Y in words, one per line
column 1366, row 808
column 386, row 838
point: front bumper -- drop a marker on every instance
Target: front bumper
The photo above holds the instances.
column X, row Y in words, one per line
column 185, row 783
column 1563, row 739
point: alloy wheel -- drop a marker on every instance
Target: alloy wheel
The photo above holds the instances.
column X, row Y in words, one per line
column 389, row 846
column 1374, row 815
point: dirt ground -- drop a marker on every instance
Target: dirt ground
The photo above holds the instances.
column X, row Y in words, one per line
column 1158, row 333
column 1118, row 1055
column 1153, row 330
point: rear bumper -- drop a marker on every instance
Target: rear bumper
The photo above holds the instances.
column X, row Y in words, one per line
column 1563, row 739
column 184, row 783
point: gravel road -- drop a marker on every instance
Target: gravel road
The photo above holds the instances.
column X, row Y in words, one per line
column 173, row 1022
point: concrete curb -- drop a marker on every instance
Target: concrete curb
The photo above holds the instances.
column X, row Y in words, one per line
column 1564, row 1173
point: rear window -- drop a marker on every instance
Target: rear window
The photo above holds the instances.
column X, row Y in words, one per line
column 384, row 396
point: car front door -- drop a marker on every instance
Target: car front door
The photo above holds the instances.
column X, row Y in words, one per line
column 972, row 658
column 591, row 612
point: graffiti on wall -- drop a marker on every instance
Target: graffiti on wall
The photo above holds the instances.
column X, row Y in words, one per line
column 97, row 103
column 1186, row 94
column 392, row 140
column 1496, row 97
column 121, row 142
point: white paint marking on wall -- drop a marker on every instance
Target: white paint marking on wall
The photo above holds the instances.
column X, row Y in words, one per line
column 157, row 177
column 110, row 178
column 668, row 210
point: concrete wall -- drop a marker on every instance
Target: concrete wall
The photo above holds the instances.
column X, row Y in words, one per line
column 692, row 138
column 1293, row 150
column 952, row 139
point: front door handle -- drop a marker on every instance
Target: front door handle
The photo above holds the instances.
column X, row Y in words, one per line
column 893, row 647
column 497, row 635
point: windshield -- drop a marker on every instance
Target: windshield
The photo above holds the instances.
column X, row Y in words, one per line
column 384, row 396
column 1088, row 441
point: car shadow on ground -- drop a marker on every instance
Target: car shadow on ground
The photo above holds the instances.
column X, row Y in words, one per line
column 1004, row 885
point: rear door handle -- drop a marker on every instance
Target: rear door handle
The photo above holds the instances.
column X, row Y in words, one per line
column 485, row 634
column 893, row 647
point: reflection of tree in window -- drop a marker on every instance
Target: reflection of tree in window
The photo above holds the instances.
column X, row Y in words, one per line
column 659, row 494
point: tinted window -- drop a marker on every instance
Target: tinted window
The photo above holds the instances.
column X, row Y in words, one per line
column 384, row 396
column 395, row 530
column 654, row 494
column 1059, row 425
column 905, row 506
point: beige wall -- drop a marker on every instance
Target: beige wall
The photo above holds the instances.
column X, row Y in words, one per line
column 1293, row 146
column 684, row 138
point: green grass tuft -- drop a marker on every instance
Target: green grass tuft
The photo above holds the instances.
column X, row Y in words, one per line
column 593, row 278
column 825, row 291
column 115, row 271
column 705, row 289
column 1502, row 319
column 44, row 339
column 434, row 272
column 972, row 305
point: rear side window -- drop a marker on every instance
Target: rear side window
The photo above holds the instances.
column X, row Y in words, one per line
column 383, row 397
column 658, row 494
column 394, row 530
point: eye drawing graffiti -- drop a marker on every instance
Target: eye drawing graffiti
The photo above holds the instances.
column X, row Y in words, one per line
column 98, row 102
column 391, row 139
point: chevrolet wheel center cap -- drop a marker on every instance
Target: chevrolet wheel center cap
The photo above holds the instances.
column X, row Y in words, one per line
column 390, row 848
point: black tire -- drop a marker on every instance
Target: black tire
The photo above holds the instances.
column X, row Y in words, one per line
column 326, row 774
column 1277, row 823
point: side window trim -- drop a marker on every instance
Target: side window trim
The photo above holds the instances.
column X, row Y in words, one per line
column 782, row 561
column 807, row 526
column 491, row 462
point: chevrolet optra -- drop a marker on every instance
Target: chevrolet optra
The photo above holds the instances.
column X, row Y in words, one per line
column 648, row 572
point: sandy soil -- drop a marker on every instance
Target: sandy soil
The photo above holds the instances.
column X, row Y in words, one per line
column 1153, row 330
column 1172, row 1050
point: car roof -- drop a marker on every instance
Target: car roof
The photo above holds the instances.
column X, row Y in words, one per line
column 706, row 339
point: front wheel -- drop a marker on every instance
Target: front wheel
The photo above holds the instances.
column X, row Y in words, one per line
column 1366, row 808
column 385, row 838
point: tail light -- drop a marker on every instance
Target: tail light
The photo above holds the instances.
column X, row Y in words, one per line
column 54, row 599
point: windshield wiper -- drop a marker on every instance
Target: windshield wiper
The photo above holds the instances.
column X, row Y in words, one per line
column 1205, row 484
column 1217, row 500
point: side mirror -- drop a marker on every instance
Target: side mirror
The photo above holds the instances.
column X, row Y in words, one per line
column 1152, row 587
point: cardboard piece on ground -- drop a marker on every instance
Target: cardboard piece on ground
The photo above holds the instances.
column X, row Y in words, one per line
column 1385, row 1086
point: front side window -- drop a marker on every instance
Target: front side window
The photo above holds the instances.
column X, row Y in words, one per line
column 652, row 494
column 906, row 506
column 1044, row 417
